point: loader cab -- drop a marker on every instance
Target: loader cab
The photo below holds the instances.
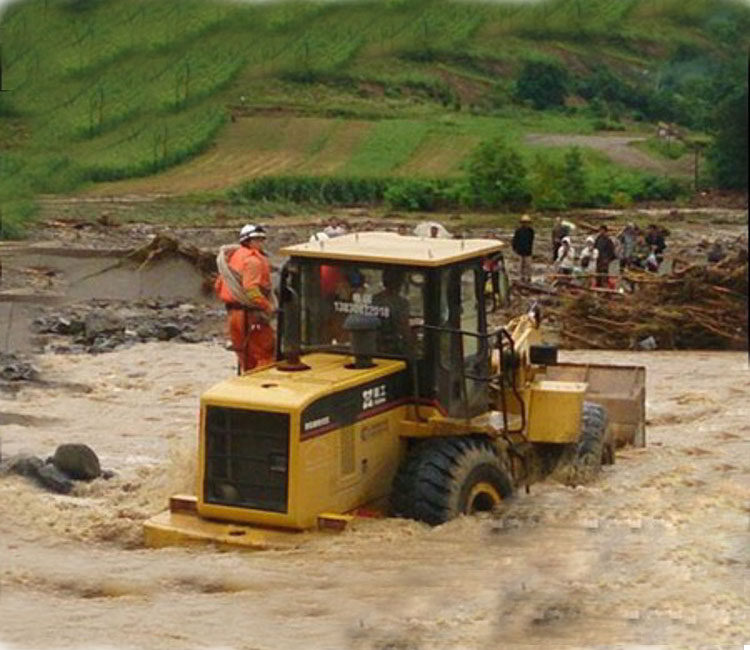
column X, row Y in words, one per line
column 420, row 300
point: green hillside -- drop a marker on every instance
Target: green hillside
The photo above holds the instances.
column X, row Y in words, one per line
column 101, row 90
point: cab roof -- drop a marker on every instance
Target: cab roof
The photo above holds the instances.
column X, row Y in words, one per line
column 392, row 248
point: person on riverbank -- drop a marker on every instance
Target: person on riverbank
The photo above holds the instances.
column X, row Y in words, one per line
column 626, row 239
column 655, row 239
column 559, row 231
column 587, row 260
column 565, row 261
column 606, row 247
column 523, row 246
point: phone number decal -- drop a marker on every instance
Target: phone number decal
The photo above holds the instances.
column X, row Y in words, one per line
column 361, row 309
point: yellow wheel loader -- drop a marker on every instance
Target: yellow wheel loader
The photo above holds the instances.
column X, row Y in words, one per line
column 391, row 394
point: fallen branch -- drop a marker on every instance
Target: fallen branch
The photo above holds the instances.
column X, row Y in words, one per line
column 581, row 339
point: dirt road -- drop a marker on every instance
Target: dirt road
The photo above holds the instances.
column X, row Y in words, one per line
column 619, row 148
column 655, row 552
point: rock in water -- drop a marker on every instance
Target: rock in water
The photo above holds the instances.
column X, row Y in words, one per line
column 23, row 464
column 53, row 479
column 77, row 461
column 102, row 322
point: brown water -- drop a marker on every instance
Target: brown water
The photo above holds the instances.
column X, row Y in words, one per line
column 654, row 553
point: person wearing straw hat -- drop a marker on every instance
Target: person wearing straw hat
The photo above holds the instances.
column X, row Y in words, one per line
column 523, row 246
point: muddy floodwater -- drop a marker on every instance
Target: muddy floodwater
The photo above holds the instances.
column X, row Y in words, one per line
column 655, row 552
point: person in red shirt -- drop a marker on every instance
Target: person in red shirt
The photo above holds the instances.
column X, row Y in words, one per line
column 244, row 285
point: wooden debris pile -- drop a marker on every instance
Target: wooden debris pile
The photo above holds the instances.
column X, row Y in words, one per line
column 163, row 246
column 698, row 307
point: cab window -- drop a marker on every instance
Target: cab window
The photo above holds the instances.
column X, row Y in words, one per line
column 331, row 292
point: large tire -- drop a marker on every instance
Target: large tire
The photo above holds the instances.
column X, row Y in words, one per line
column 583, row 461
column 443, row 478
column 596, row 446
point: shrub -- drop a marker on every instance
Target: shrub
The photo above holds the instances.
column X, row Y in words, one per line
column 328, row 190
column 547, row 185
column 400, row 193
column 603, row 85
column 660, row 188
column 622, row 199
column 15, row 216
column 574, row 178
column 497, row 176
column 543, row 84
column 6, row 108
column 413, row 195
column 728, row 155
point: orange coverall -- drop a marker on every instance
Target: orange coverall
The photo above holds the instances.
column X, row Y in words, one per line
column 252, row 336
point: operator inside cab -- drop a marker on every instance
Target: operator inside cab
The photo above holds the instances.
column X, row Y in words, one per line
column 330, row 291
column 394, row 334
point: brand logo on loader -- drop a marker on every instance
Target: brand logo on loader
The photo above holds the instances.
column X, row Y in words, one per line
column 374, row 396
column 316, row 424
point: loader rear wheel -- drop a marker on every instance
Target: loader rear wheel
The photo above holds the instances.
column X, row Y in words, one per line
column 446, row 477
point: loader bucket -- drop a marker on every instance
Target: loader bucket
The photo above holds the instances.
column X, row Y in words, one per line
column 620, row 389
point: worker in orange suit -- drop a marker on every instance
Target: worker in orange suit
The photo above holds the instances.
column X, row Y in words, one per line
column 244, row 284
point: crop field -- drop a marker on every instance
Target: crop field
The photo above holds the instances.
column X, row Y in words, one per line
column 105, row 90
column 285, row 144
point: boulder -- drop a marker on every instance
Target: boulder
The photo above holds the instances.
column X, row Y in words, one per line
column 23, row 464
column 13, row 368
column 190, row 337
column 53, row 479
column 146, row 330
column 105, row 344
column 77, row 461
column 102, row 322
column 167, row 331
column 70, row 326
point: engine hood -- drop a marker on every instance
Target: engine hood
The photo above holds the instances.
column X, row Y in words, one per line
column 278, row 390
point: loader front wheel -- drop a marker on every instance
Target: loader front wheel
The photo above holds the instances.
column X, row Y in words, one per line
column 447, row 477
column 595, row 448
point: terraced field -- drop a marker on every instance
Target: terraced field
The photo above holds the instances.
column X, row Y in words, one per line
column 251, row 147
column 105, row 90
column 284, row 144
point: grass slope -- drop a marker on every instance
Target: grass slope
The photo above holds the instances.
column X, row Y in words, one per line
column 101, row 90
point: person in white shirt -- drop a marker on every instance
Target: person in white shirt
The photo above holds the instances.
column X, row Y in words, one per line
column 589, row 255
column 566, row 255
column 587, row 259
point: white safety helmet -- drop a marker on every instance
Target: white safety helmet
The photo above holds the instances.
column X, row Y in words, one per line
column 589, row 240
column 250, row 231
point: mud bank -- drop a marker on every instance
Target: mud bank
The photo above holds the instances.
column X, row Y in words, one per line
column 655, row 552
column 43, row 277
